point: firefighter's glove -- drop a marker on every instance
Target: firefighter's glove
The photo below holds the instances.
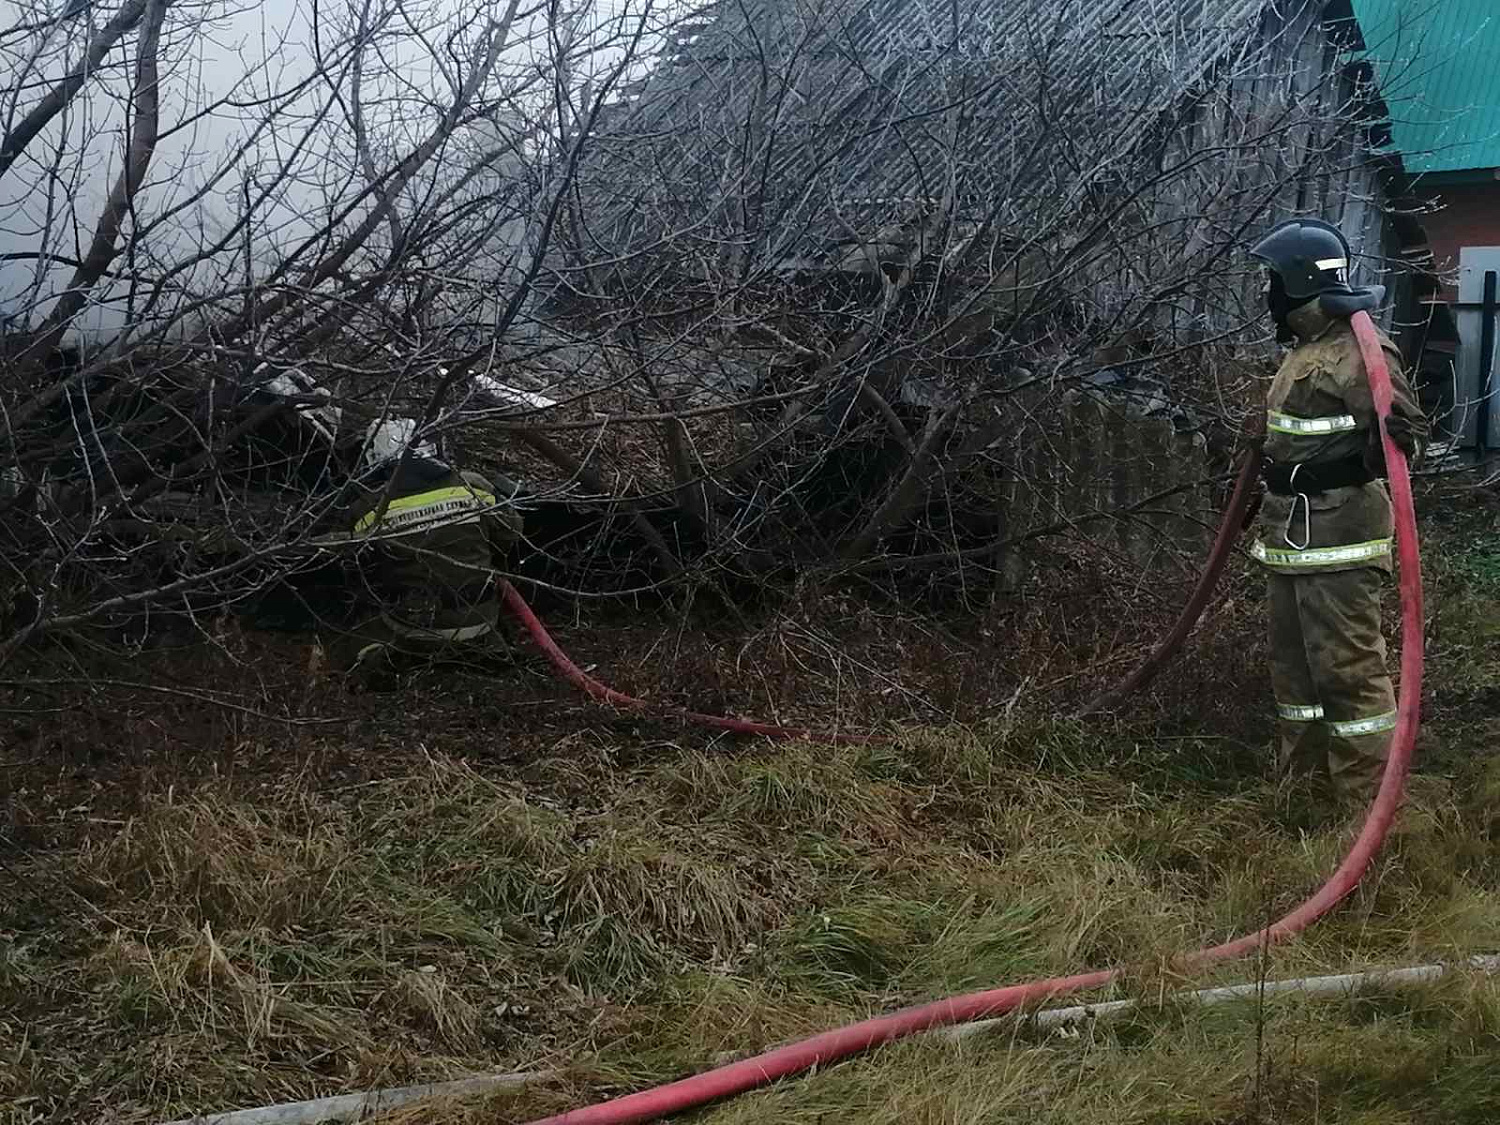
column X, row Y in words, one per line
column 1405, row 435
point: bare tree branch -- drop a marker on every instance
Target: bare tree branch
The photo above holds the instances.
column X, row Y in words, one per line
column 21, row 134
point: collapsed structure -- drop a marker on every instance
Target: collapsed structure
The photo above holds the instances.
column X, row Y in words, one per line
column 877, row 284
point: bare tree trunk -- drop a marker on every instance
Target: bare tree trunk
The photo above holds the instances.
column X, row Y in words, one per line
column 16, row 139
column 361, row 137
column 903, row 499
column 121, row 203
column 877, row 402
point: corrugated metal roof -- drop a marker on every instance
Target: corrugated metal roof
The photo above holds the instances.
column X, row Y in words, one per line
column 858, row 92
column 1437, row 63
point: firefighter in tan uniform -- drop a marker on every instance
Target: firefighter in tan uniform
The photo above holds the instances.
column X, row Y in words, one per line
column 429, row 535
column 1325, row 524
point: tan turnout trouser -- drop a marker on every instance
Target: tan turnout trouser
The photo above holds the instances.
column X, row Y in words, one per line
column 1334, row 700
column 437, row 599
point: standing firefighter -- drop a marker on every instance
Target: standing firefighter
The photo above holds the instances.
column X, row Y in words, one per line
column 1325, row 534
column 430, row 533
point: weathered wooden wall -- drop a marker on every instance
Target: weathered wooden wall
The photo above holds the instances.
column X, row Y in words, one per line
column 1098, row 461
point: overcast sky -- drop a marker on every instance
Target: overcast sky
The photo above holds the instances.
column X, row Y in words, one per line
column 213, row 52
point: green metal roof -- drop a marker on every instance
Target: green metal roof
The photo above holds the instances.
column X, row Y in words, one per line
column 1437, row 63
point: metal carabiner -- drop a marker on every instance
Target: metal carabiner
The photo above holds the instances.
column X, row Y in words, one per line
column 1291, row 516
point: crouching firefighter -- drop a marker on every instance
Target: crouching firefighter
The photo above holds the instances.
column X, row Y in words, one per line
column 427, row 537
column 1325, row 523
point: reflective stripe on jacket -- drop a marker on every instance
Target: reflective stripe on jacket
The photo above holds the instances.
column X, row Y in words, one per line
column 1320, row 411
column 424, row 511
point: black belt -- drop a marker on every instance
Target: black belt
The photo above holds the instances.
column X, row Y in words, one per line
column 1316, row 476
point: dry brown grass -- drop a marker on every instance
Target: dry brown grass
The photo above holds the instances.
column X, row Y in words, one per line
column 443, row 889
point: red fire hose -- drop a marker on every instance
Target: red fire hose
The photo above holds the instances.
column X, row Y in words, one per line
column 594, row 689
column 841, row 1043
column 1218, row 556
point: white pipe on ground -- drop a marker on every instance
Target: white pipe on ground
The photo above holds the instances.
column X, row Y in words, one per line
column 1344, row 984
column 348, row 1107
column 351, row 1106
